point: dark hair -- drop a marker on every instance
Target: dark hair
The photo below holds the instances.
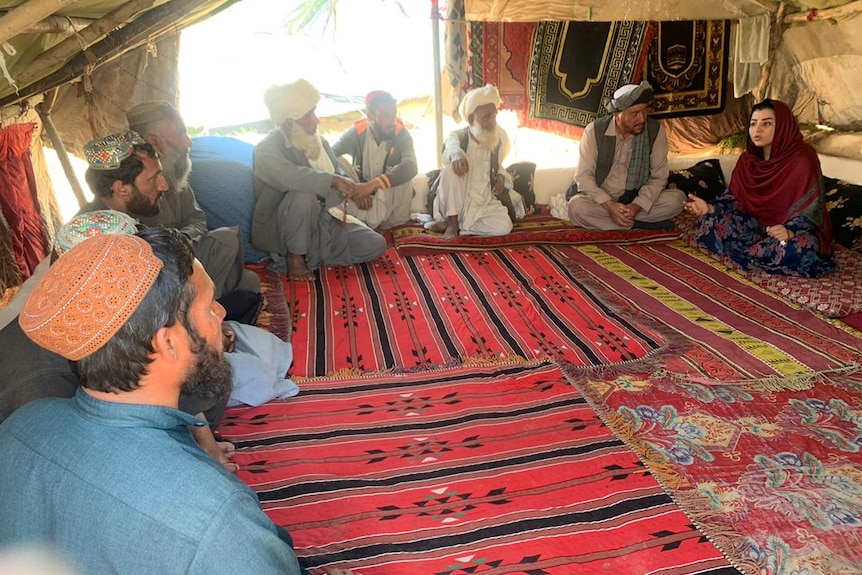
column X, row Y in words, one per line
column 123, row 360
column 764, row 105
column 101, row 181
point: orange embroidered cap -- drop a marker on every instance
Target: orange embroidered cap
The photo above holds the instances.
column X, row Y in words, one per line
column 89, row 293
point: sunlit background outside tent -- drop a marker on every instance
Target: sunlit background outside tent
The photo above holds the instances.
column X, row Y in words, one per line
column 228, row 61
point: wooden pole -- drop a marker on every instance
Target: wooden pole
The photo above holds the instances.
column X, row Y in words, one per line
column 64, row 50
column 45, row 114
column 22, row 17
column 776, row 35
column 149, row 26
column 836, row 13
column 55, row 25
column 438, row 83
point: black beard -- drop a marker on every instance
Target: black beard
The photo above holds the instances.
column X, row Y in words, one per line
column 212, row 375
column 140, row 206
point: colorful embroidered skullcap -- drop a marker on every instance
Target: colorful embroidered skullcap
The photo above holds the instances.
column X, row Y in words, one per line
column 92, row 224
column 107, row 152
column 89, row 293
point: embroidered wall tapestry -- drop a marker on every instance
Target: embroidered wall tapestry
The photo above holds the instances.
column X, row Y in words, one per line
column 571, row 79
column 687, row 67
column 501, row 56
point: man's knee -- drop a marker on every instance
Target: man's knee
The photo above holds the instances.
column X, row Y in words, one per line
column 580, row 209
column 367, row 246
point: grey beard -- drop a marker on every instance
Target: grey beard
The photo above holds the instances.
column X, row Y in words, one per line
column 176, row 167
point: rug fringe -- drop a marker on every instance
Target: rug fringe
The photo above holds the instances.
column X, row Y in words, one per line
column 505, row 361
column 768, row 384
column 665, row 472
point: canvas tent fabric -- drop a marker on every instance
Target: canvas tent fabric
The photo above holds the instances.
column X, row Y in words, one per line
column 84, row 62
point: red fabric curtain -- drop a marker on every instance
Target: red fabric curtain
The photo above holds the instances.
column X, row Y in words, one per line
column 18, row 198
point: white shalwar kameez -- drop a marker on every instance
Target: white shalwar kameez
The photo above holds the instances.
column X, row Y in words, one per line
column 470, row 197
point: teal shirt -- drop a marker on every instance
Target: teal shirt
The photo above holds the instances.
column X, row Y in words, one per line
column 124, row 489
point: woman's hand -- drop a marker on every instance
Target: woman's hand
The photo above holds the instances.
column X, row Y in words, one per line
column 697, row 206
column 779, row 233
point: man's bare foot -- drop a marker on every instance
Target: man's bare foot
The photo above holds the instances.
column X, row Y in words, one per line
column 451, row 232
column 438, row 227
column 296, row 268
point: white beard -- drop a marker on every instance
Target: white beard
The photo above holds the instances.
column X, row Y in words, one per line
column 308, row 144
column 488, row 139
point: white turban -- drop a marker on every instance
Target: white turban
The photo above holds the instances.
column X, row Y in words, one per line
column 290, row 101
column 487, row 94
column 629, row 95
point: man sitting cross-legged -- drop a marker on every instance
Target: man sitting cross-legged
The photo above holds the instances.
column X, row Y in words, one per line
column 298, row 185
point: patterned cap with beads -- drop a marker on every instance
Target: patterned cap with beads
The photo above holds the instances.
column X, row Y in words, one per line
column 90, row 224
column 107, row 152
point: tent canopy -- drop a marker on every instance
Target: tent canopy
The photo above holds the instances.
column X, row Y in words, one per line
column 643, row 10
column 815, row 60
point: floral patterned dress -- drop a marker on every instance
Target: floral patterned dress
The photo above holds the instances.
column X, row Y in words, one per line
column 741, row 237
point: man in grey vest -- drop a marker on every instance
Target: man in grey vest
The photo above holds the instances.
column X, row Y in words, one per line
column 622, row 171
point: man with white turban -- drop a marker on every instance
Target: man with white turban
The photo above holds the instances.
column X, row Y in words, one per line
column 622, row 170
column 299, row 185
column 472, row 179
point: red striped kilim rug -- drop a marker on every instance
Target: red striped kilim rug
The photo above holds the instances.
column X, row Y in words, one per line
column 412, row 238
column 483, row 469
column 756, row 428
column 417, row 312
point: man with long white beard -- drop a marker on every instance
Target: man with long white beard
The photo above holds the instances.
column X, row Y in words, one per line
column 472, row 179
column 299, row 190
column 219, row 250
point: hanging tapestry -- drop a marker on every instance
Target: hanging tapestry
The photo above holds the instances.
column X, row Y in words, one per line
column 502, row 57
column 687, row 67
column 18, row 198
column 576, row 66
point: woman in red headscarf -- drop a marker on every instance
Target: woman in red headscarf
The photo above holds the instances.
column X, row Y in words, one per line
column 773, row 216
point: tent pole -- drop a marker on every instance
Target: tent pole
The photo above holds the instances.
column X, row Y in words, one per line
column 54, row 136
column 26, row 14
column 438, row 87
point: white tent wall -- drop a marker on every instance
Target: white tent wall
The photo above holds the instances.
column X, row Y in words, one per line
column 818, row 66
column 96, row 105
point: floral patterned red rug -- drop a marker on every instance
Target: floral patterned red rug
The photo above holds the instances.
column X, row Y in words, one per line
column 754, row 429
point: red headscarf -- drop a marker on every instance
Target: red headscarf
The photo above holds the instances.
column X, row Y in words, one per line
column 786, row 185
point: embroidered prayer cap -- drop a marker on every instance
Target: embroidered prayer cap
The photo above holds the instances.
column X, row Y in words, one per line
column 290, row 101
column 89, row 294
column 92, row 224
column 629, row 95
column 378, row 98
column 149, row 112
column 487, row 94
column 107, row 152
